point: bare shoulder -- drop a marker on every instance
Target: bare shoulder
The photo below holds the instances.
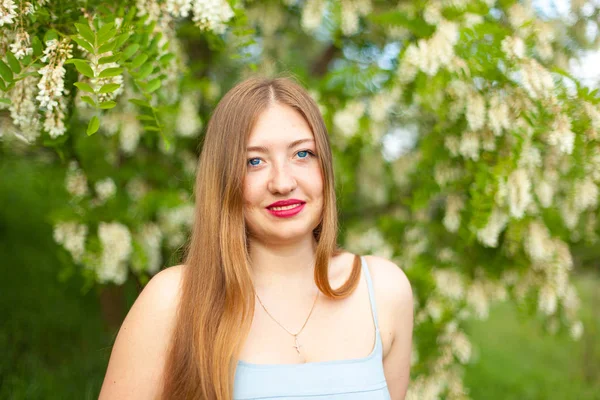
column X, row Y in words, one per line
column 390, row 282
column 139, row 352
column 393, row 295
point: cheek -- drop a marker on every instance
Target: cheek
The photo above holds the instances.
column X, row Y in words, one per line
column 250, row 195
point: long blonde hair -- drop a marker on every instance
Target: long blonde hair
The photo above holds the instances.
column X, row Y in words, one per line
column 217, row 298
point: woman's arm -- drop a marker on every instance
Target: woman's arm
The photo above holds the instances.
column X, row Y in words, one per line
column 139, row 353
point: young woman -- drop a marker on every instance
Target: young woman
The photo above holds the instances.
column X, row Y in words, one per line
column 266, row 305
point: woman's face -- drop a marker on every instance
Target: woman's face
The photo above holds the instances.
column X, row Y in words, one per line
column 282, row 165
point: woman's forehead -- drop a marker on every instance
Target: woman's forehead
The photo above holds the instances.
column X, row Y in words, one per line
column 279, row 126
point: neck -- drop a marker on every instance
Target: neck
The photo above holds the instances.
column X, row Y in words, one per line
column 283, row 265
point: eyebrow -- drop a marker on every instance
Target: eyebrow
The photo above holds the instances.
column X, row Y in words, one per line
column 262, row 149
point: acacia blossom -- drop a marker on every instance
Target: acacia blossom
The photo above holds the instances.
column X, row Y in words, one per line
column 52, row 85
column 7, row 12
column 211, row 15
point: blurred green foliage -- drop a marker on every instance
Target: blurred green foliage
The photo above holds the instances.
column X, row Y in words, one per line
column 55, row 344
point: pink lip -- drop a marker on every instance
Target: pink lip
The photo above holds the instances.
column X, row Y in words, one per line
column 288, row 202
column 287, row 213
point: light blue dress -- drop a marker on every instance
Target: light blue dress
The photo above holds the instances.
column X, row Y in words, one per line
column 354, row 379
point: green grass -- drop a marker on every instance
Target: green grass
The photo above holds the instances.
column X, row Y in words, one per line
column 517, row 359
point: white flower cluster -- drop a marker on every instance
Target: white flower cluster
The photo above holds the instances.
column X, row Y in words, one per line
column 212, row 14
column 105, row 189
column 489, row 234
column 519, row 17
column 189, row 162
column 150, row 238
column 538, row 244
column 188, row 123
column 478, row 300
column 312, row 14
column 450, row 284
column 519, row 193
column 151, row 8
column 544, row 35
column 443, row 381
column 444, row 173
column 116, row 249
column 498, row 115
column 381, row 104
column 593, row 112
column 7, row 12
column 52, row 85
column 21, row 46
column 351, row 11
column 586, row 194
column 76, row 181
column 179, row 8
column 23, row 110
column 369, row 242
column 129, row 127
column 544, row 190
column 513, row 47
column 454, row 205
column 175, row 223
column 71, row 236
column 469, row 146
column 429, row 55
column 129, row 136
column 536, row 79
column 347, row 120
column 475, row 113
column 561, row 134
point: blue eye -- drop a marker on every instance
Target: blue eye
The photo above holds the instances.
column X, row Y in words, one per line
column 254, row 161
column 304, row 154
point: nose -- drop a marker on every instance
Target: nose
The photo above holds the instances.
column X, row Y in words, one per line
column 281, row 180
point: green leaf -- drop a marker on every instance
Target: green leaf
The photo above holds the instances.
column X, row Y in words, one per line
column 143, row 117
column 106, row 47
column 109, row 72
column 110, row 59
column 139, row 60
column 3, row 86
column 37, row 47
column 13, row 62
column 107, row 105
column 93, row 126
column 109, row 88
column 164, row 60
column 5, row 72
column 82, row 66
column 85, row 31
column 50, row 34
column 89, row 100
column 130, row 15
column 5, row 100
column 151, row 128
column 84, row 86
column 106, row 30
column 122, row 38
column 83, row 43
column 144, row 71
column 141, row 103
column 130, row 50
column 153, row 85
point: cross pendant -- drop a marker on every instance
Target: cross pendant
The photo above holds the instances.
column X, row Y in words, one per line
column 297, row 344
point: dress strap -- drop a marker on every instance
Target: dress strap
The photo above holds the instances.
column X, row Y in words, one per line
column 365, row 269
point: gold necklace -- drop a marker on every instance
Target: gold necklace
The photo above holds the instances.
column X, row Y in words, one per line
column 297, row 344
